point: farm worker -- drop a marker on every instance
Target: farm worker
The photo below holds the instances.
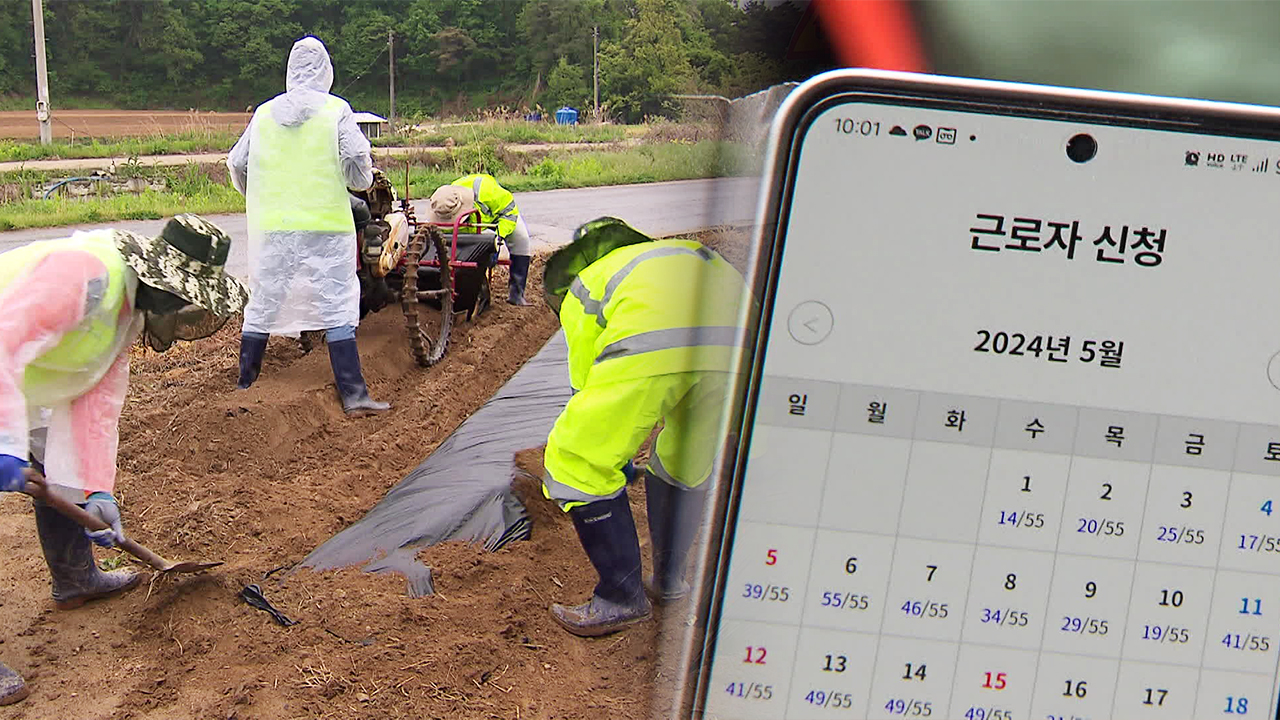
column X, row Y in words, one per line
column 497, row 206
column 653, row 332
column 69, row 310
column 294, row 164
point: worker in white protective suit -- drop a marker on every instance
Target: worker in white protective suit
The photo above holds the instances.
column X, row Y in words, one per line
column 294, row 165
column 69, row 310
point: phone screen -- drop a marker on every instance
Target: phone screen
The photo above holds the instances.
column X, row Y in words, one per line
column 1015, row 451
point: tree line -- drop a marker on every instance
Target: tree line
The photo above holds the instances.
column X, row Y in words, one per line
column 450, row 55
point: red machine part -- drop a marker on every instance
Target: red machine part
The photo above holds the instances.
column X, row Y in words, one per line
column 457, row 224
column 872, row 34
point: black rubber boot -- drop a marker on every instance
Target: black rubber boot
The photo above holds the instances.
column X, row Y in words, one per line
column 674, row 520
column 608, row 534
column 12, row 687
column 69, row 555
column 519, row 278
column 344, row 358
column 251, row 351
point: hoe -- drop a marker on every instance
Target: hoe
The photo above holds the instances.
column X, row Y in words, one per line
column 37, row 487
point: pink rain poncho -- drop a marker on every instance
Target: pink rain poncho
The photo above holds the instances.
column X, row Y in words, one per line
column 48, row 290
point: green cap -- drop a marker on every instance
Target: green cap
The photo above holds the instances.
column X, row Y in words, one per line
column 591, row 241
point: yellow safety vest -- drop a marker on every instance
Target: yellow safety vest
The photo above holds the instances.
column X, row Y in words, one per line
column 653, row 308
column 495, row 203
column 296, row 181
column 84, row 354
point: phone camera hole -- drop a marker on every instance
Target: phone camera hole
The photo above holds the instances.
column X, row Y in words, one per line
column 1081, row 148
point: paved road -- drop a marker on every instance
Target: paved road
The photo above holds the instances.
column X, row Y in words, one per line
column 665, row 208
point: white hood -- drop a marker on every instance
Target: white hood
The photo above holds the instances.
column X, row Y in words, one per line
column 307, row 82
column 309, row 67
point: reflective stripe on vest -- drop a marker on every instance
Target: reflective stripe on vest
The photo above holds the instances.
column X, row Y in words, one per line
column 596, row 307
column 567, row 496
column 504, row 218
column 475, row 196
column 296, row 182
column 508, row 212
column 670, row 339
column 679, row 313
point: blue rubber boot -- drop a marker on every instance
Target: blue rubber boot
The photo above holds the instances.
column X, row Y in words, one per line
column 519, row 272
column 252, row 348
column 675, row 515
column 608, row 534
column 69, row 555
column 344, row 358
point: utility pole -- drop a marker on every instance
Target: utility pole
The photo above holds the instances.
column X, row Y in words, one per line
column 42, row 75
column 595, row 69
column 391, row 56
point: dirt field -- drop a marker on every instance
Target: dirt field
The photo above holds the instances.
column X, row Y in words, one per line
column 22, row 124
column 260, row 477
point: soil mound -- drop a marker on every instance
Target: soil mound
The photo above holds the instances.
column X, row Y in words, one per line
column 258, row 478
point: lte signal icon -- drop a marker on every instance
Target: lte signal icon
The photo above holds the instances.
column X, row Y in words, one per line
column 1193, row 158
column 1262, row 166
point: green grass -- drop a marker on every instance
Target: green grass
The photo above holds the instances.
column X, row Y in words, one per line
column 434, row 136
column 198, row 193
column 175, row 144
column 205, row 141
column 574, row 169
column 507, row 131
column 28, row 102
column 114, row 562
column 149, row 205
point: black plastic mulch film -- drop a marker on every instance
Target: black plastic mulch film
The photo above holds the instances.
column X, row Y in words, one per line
column 462, row 491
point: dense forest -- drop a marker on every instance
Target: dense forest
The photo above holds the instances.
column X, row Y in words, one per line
column 450, row 55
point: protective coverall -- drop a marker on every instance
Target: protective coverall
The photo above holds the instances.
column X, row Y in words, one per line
column 68, row 311
column 294, row 164
column 653, row 329
column 498, row 206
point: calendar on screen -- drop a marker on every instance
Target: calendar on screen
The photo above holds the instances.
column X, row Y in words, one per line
column 1015, row 450
column 1015, row 560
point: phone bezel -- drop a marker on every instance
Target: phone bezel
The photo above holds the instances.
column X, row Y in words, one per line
column 1198, row 117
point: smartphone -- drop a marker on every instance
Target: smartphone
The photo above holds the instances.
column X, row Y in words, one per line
column 1010, row 443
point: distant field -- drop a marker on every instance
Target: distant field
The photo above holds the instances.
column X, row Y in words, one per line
column 22, row 125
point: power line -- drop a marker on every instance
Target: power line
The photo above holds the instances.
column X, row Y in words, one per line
column 377, row 57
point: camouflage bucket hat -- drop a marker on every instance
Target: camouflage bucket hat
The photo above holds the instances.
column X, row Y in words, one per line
column 188, row 259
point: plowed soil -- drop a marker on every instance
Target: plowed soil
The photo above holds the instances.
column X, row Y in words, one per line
column 22, row 124
column 260, row 477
